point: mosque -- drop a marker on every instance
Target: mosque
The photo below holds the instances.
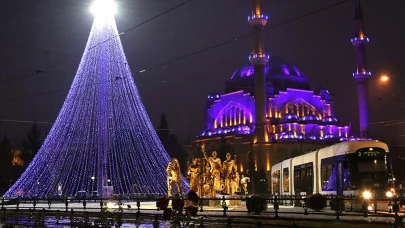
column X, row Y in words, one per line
column 269, row 112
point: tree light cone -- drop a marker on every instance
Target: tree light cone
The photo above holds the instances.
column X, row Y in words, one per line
column 102, row 135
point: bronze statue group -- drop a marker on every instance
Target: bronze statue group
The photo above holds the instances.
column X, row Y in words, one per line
column 215, row 177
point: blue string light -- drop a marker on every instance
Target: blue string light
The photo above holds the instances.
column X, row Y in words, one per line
column 102, row 135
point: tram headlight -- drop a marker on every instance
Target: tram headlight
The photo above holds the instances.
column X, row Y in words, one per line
column 389, row 194
column 367, row 194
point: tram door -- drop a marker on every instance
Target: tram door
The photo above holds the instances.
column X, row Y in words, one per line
column 339, row 179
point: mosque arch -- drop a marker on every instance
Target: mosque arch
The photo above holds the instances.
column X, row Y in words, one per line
column 299, row 107
column 233, row 114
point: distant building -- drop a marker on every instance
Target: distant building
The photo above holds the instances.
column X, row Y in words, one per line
column 17, row 158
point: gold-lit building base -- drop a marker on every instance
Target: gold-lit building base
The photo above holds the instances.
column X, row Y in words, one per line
column 265, row 155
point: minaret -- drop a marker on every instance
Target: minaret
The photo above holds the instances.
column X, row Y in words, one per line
column 361, row 75
column 259, row 59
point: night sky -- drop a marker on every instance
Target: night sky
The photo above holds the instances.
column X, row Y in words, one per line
column 318, row 44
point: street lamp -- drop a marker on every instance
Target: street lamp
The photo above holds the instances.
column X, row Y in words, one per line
column 103, row 7
column 384, row 78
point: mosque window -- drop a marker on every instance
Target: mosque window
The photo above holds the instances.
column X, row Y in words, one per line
column 297, row 71
column 285, row 69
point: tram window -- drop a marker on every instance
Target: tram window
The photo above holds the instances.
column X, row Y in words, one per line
column 303, row 178
column 286, row 180
column 327, row 182
column 276, row 181
column 377, row 165
column 297, row 180
column 346, row 180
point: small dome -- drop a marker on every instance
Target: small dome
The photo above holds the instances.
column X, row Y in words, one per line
column 329, row 120
column 213, row 97
column 207, row 133
column 310, row 118
column 324, row 93
column 330, row 136
column 289, row 118
column 280, row 75
column 316, row 137
column 288, row 135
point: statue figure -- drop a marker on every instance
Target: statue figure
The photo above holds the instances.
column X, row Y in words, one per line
column 244, row 182
column 215, row 168
column 173, row 176
column 194, row 171
column 235, row 183
column 208, row 187
column 229, row 169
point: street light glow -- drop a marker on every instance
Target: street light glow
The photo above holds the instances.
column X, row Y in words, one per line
column 384, row 78
column 103, row 7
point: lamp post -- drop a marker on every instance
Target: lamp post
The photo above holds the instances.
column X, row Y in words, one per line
column 92, row 185
column 384, row 79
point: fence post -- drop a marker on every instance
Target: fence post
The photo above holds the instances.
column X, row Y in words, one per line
column 29, row 214
column 57, row 217
column 66, row 204
column 34, row 203
column 101, row 205
column 224, row 206
column 276, row 206
column 201, row 204
column 138, row 205
column 337, row 207
column 351, row 202
column 305, row 206
column 18, row 204
column 4, row 214
column 389, row 206
column 156, row 223
column 375, row 204
column 395, row 207
column 201, row 223
column 229, row 222
column 365, row 208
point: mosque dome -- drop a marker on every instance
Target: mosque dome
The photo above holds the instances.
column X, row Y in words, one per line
column 310, row 118
column 280, row 75
column 290, row 118
column 329, row 120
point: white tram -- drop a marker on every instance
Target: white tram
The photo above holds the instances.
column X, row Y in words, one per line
column 350, row 167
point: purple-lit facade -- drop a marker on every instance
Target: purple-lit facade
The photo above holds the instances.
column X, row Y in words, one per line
column 294, row 118
column 292, row 113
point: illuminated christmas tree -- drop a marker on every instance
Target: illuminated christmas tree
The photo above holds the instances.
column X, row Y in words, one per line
column 102, row 138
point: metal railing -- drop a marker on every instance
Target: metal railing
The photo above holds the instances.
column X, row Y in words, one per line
column 96, row 211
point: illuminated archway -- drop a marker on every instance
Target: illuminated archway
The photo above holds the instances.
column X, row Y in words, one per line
column 233, row 114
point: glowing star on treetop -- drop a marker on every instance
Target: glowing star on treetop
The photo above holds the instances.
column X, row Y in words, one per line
column 103, row 7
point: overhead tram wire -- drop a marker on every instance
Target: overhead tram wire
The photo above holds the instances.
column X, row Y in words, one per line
column 243, row 36
column 78, row 55
column 51, row 123
column 187, row 55
column 122, row 33
column 34, row 50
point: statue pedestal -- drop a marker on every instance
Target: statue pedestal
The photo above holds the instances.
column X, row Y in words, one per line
column 215, row 202
column 233, row 202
